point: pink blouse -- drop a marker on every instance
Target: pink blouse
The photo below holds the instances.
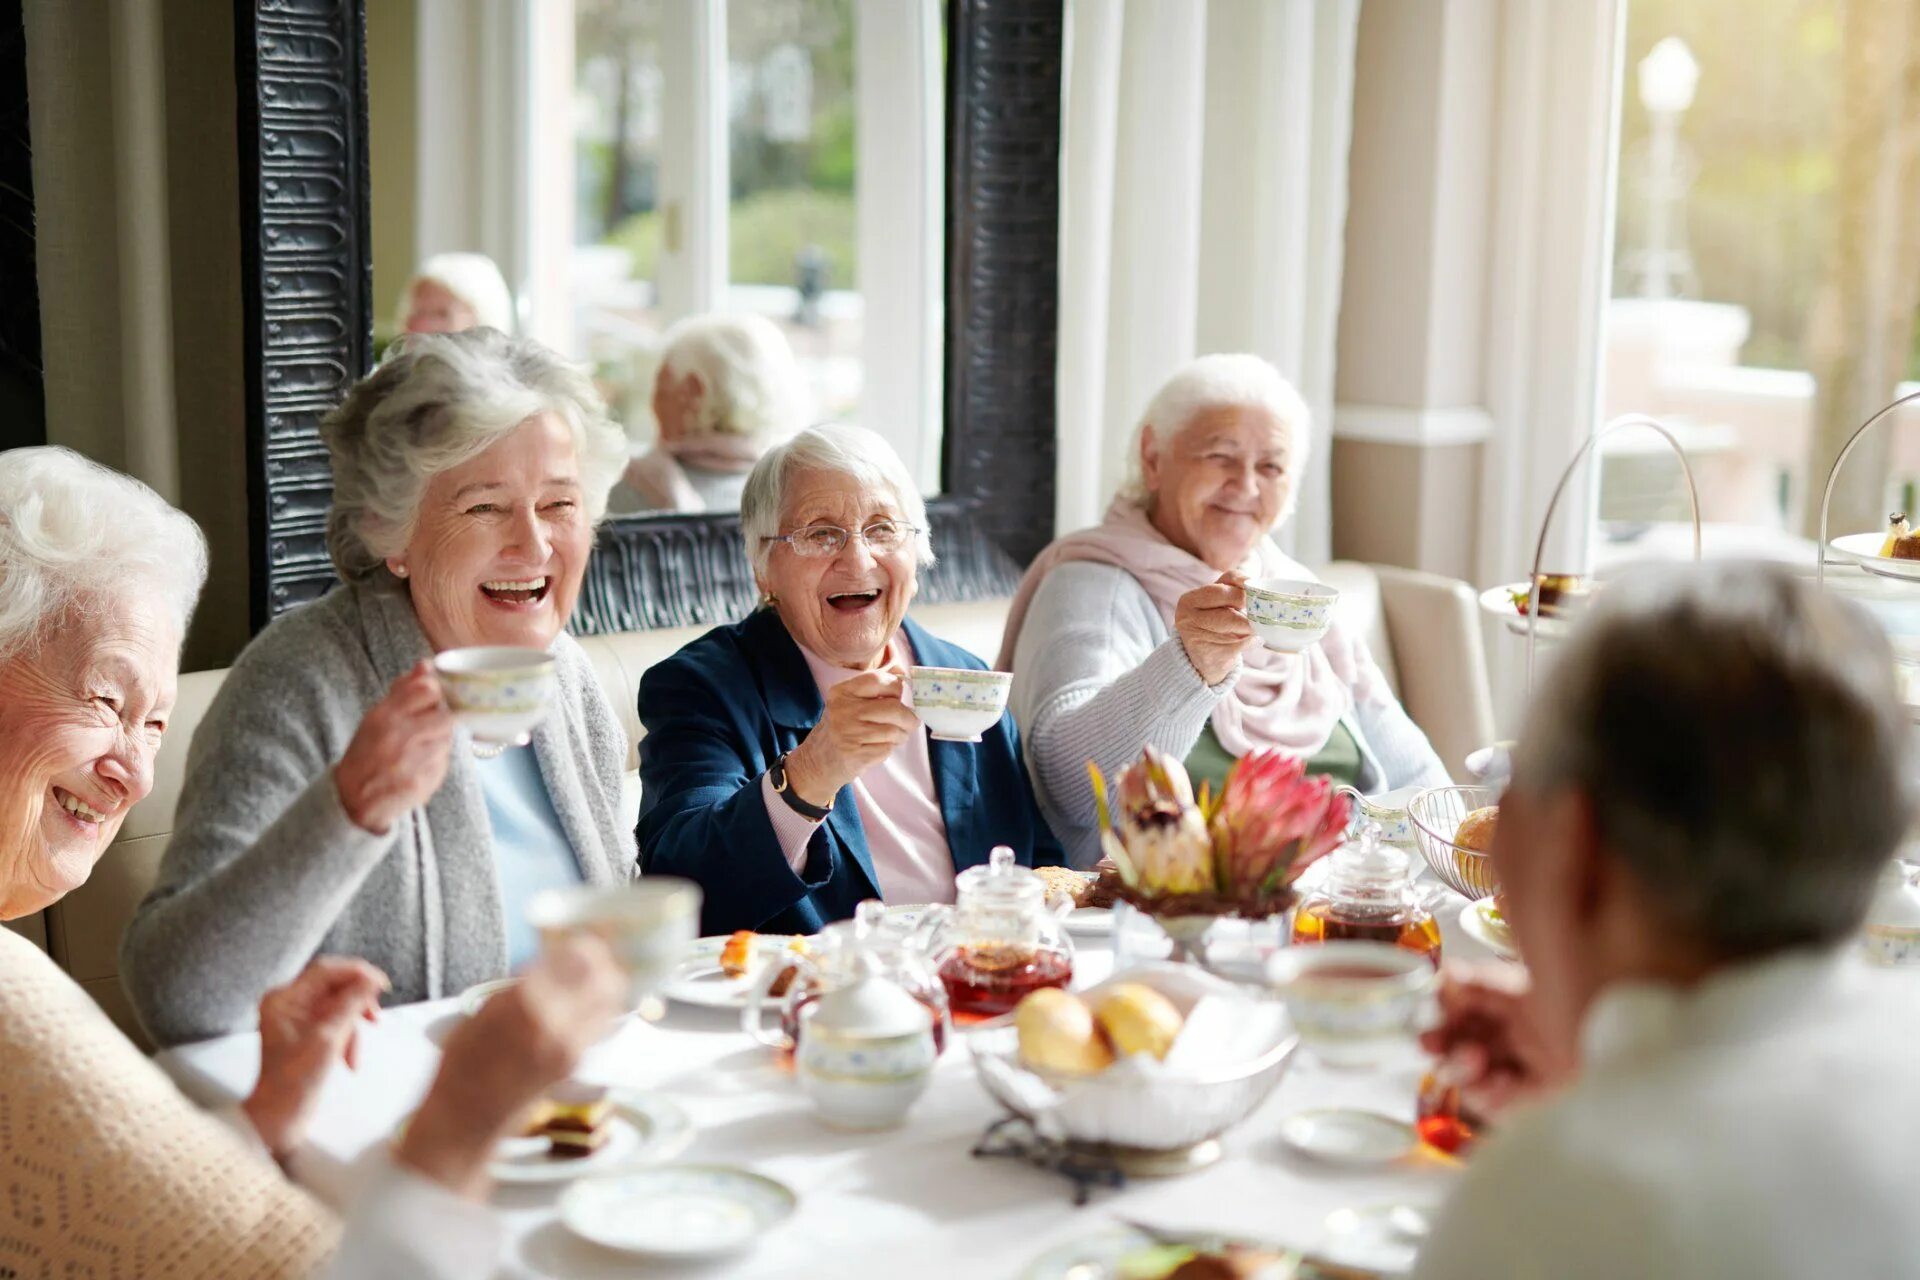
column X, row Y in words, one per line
column 899, row 809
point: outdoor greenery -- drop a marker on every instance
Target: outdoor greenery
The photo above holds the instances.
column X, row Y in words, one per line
column 768, row 230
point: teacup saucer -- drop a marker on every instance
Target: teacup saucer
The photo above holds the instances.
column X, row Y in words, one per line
column 677, row 1211
column 1349, row 1137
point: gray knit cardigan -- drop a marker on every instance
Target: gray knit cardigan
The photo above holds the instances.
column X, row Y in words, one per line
column 1097, row 675
column 265, row 870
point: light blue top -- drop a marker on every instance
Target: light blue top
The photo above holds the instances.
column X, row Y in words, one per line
column 530, row 849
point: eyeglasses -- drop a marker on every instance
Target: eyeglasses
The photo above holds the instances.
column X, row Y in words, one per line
column 818, row 540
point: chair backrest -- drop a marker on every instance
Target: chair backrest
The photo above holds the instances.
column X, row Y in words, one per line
column 83, row 929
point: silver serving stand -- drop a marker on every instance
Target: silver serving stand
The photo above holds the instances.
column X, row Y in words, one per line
column 1620, row 423
column 1833, row 475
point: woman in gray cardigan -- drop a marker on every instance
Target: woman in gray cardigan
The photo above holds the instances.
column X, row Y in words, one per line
column 330, row 803
column 1135, row 631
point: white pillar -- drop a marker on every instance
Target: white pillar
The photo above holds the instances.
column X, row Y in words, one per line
column 694, row 161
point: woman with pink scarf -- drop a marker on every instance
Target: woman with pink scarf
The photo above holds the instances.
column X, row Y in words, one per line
column 1135, row 631
column 727, row 391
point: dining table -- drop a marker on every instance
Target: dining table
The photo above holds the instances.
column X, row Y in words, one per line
column 912, row 1201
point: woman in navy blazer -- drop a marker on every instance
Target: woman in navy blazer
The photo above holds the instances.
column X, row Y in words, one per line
column 782, row 768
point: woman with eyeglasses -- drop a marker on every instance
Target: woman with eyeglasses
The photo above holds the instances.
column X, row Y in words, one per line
column 782, row 767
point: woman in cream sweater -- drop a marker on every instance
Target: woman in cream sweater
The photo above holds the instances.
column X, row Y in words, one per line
column 105, row 1167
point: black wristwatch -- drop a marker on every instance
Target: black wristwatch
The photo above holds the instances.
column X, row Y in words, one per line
column 777, row 775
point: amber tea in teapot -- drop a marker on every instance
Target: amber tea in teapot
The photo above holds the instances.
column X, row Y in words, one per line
column 1000, row 941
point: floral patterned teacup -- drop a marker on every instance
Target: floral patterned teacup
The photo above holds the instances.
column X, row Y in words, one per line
column 1388, row 811
column 958, row 704
column 1290, row 615
column 500, row 693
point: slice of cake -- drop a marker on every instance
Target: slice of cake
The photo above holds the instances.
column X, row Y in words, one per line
column 577, row 1118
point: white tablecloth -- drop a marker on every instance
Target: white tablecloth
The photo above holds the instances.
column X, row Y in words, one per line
column 912, row 1202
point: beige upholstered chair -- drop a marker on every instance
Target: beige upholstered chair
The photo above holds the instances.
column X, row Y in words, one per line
column 1424, row 630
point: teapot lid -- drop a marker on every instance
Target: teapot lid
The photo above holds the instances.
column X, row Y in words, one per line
column 1368, row 867
column 871, row 1005
column 1001, row 880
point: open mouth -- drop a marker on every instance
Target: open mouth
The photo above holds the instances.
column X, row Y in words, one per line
column 853, row 601
column 504, row 591
column 77, row 809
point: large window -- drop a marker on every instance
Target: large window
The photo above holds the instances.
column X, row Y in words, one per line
column 1766, row 268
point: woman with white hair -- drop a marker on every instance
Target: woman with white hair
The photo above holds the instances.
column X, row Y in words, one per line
column 329, row 804
column 1135, row 631
column 726, row 391
column 454, row 292
column 783, row 768
column 104, row 1167
column 1706, row 790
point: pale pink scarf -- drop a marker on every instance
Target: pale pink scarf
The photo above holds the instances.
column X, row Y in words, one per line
column 1283, row 700
column 659, row 477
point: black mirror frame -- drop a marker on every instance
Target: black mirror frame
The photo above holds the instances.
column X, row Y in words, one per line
column 307, row 280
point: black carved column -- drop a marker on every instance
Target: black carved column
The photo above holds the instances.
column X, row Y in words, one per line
column 301, row 69
column 1003, row 208
column 23, row 408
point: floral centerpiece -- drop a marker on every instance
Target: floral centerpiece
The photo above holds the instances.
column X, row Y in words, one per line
column 1187, row 860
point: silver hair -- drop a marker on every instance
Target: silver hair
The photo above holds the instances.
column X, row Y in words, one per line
column 74, row 535
column 750, row 384
column 851, row 451
column 1221, row 381
column 439, row 400
column 471, row 277
column 1738, row 735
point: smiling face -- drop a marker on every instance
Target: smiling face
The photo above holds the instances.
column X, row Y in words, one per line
column 501, row 542
column 80, row 722
column 433, row 308
column 1220, row 483
column 844, row 607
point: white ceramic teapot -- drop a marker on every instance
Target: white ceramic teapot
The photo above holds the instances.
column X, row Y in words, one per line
column 1892, row 934
column 866, row 1051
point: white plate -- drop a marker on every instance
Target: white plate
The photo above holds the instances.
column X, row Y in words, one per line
column 1381, row 1238
column 680, row 1211
column 1499, row 602
column 1090, row 922
column 1479, row 926
column 1108, row 1253
column 1864, row 550
column 643, row 1129
column 698, row 979
column 1349, row 1137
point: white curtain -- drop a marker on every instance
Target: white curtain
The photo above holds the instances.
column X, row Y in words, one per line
column 1203, row 180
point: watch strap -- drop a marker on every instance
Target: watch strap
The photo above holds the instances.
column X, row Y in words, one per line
column 777, row 775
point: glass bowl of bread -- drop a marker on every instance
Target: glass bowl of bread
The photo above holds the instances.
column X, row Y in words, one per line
column 1453, row 827
column 1147, row 1069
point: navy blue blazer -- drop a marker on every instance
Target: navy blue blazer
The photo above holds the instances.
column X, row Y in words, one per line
column 723, row 709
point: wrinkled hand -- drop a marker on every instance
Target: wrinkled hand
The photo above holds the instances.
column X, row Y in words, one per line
column 398, row 756
column 305, row 1027
column 1212, row 624
column 498, row 1062
column 1491, row 1040
column 866, row 718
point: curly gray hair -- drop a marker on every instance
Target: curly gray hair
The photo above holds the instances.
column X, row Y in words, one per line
column 74, row 534
column 439, row 400
column 1739, row 735
column 853, row 451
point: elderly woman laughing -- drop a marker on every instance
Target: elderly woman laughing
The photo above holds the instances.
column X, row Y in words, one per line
column 325, row 806
column 1135, row 631
column 783, row 768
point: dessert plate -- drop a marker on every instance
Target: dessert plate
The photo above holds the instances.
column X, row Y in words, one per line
column 1352, row 1138
column 1864, row 550
column 698, row 979
column 678, row 1211
column 1498, row 601
column 1481, row 921
column 642, row 1129
column 480, row 992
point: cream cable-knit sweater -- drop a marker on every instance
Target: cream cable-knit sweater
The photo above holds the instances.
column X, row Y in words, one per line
column 108, row 1171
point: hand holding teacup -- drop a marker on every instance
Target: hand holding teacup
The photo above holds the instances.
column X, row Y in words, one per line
column 866, row 717
column 1213, row 626
column 398, row 756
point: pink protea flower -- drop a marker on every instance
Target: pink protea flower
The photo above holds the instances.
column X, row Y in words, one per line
column 1272, row 822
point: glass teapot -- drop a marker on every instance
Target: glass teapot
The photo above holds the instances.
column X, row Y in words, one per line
column 1000, row 940
column 1369, row 894
column 840, row 955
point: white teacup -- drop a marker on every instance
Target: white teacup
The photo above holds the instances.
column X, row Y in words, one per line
column 1388, row 811
column 1289, row 614
column 958, row 704
column 649, row 923
column 1354, row 1003
column 501, row 693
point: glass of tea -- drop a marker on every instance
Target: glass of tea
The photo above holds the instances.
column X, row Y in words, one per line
column 1441, row 1118
column 999, row 941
